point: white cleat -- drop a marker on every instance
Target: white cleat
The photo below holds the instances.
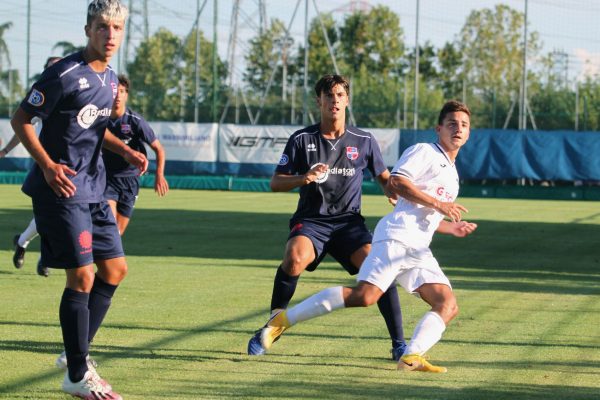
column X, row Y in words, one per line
column 89, row 388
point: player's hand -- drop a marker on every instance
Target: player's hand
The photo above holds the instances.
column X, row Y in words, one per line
column 137, row 159
column 451, row 210
column 463, row 228
column 161, row 186
column 392, row 198
column 315, row 173
column 59, row 182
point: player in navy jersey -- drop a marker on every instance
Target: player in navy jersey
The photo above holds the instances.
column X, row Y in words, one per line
column 122, row 180
column 326, row 161
column 426, row 179
column 77, row 229
column 22, row 240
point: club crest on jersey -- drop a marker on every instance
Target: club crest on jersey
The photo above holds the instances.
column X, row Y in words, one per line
column 284, row 159
column 352, row 153
column 36, row 98
column 125, row 128
column 83, row 83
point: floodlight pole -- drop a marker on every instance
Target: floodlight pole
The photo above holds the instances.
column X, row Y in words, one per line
column 523, row 110
column 27, row 57
column 416, row 110
column 214, row 60
column 305, row 91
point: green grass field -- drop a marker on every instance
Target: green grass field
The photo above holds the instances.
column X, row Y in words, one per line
column 201, row 270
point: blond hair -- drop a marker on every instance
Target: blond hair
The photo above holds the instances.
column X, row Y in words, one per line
column 110, row 10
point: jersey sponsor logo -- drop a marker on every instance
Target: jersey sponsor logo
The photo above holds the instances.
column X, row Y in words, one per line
column 443, row 195
column 257, row 141
column 311, row 147
column 36, row 98
column 85, row 242
column 83, row 83
column 284, row 159
column 88, row 114
column 351, row 153
column 322, row 177
column 125, row 128
column 345, row 172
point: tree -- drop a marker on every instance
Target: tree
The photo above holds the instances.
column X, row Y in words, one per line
column 155, row 76
column 265, row 55
column 373, row 40
column 205, row 97
column 451, row 73
column 67, row 48
column 491, row 42
column 4, row 52
column 163, row 79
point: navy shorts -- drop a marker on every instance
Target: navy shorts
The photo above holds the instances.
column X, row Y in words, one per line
column 124, row 191
column 74, row 235
column 338, row 236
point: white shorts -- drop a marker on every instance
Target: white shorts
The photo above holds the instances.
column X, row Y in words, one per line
column 390, row 260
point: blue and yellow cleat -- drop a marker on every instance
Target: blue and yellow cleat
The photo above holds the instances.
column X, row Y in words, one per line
column 255, row 348
column 398, row 351
column 274, row 329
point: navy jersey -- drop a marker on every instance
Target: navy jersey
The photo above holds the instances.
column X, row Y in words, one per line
column 74, row 103
column 134, row 131
column 338, row 191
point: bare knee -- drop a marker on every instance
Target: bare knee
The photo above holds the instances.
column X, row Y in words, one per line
column 112, row 274
column 81, row 279
column 362, row 296
column 448, row 310
column 293, row 266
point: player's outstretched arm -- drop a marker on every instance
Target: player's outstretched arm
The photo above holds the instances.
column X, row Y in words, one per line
column 458, row 229
column 161, row 186
column 112, row 143
column 54, row 173
column 405, row 188
column 286, row 182
column 12, row 143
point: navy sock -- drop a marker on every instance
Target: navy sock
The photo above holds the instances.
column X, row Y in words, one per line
column 389, row 307
column 74, row 322
column 284, row 287
column 100, row 299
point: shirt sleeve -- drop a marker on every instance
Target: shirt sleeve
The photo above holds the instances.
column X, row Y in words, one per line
column 376, row 164
column 412, row 163
column 44, row 95
column 287, row 162
column 145, row 132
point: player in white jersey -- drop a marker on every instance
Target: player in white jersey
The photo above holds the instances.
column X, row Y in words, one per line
column 426, row 179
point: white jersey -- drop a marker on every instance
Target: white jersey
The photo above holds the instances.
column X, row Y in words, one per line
column 431, row 171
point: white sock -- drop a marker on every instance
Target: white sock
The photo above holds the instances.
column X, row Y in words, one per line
column 318, row 304
column 28, row 234
column 427, row 333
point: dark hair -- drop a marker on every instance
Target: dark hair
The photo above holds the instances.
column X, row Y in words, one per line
column 453, row 106
column 124, row 81
column 51, row 61
column 327, row 82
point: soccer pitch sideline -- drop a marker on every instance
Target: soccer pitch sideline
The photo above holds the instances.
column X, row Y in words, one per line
column 201, row 268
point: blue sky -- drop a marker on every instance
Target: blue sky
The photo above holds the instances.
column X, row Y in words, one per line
column 570, row 26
